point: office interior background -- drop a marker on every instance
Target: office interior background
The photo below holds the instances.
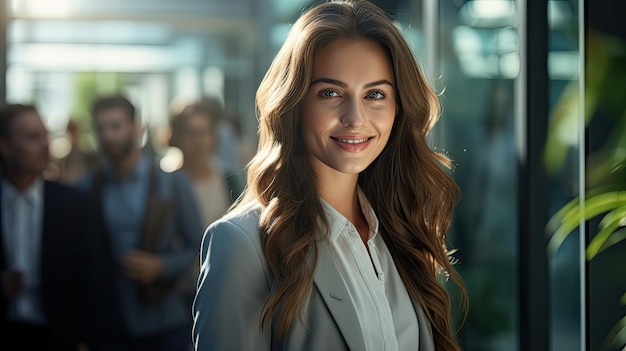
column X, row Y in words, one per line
column 534, row 113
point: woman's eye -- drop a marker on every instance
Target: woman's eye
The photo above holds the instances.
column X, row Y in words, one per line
column 328, row 93
column 376, row 95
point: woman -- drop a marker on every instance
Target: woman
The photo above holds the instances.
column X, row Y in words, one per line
column 340, row 236
column 193, row 132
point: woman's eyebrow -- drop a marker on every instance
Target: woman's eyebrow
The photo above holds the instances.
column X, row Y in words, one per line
column 378, row 82
column 329, row 81
column 344, row 85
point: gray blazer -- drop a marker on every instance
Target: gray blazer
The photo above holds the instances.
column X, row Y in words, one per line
column 235, row 281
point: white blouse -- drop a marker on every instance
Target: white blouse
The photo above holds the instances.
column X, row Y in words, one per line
column 384, row 308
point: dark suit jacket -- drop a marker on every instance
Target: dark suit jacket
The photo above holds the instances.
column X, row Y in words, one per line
column 62, row 268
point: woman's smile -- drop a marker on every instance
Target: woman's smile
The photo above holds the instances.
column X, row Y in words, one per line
column 352, row 144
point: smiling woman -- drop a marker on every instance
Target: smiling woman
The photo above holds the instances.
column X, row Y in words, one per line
column 349, row 109
column 339, row 239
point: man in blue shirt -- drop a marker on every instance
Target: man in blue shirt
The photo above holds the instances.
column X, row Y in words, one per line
column 146, row 235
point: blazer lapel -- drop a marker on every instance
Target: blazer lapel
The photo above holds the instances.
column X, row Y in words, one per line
column 426, row 341
column 336, row 297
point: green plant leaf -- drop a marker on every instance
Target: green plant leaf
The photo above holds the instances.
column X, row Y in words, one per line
column 623, row 299
column 565, row 221
column 613, row 239
column 617, row 335
column 557, row 218
column 607, row 235
column 601, row 203
column 594, row 206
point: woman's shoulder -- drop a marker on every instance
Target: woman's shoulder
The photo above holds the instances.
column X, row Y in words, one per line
column 235, row 238
column 243, row 217
column 238, row 225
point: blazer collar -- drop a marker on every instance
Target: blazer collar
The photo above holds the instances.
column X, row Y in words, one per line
column 336, row 297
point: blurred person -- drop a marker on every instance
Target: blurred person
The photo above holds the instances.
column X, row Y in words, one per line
column 193, row 131
column 77, row 162
column 43, row 224
column 228, row 143
column 146, row 236
column 339, row 241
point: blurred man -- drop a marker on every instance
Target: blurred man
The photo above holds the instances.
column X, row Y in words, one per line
column 146, row 236
column 43, row 224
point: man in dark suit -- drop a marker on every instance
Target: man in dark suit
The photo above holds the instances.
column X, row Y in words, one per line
column 42, row 225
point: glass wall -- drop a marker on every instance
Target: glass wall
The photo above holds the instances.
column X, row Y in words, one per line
column 564, row 160
column 479, row 62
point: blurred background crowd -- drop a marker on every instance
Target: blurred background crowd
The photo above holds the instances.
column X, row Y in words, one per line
column 533, row 116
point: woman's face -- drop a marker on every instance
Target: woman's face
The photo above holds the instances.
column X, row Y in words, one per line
column 349, row 110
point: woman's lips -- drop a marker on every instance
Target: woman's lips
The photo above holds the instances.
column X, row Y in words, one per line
column 352, row 144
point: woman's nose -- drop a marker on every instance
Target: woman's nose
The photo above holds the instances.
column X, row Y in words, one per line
column 354, row 117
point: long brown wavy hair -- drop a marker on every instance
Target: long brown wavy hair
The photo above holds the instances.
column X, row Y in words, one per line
column 408, row 185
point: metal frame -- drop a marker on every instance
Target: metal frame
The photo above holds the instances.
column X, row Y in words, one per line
column 532, row 122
